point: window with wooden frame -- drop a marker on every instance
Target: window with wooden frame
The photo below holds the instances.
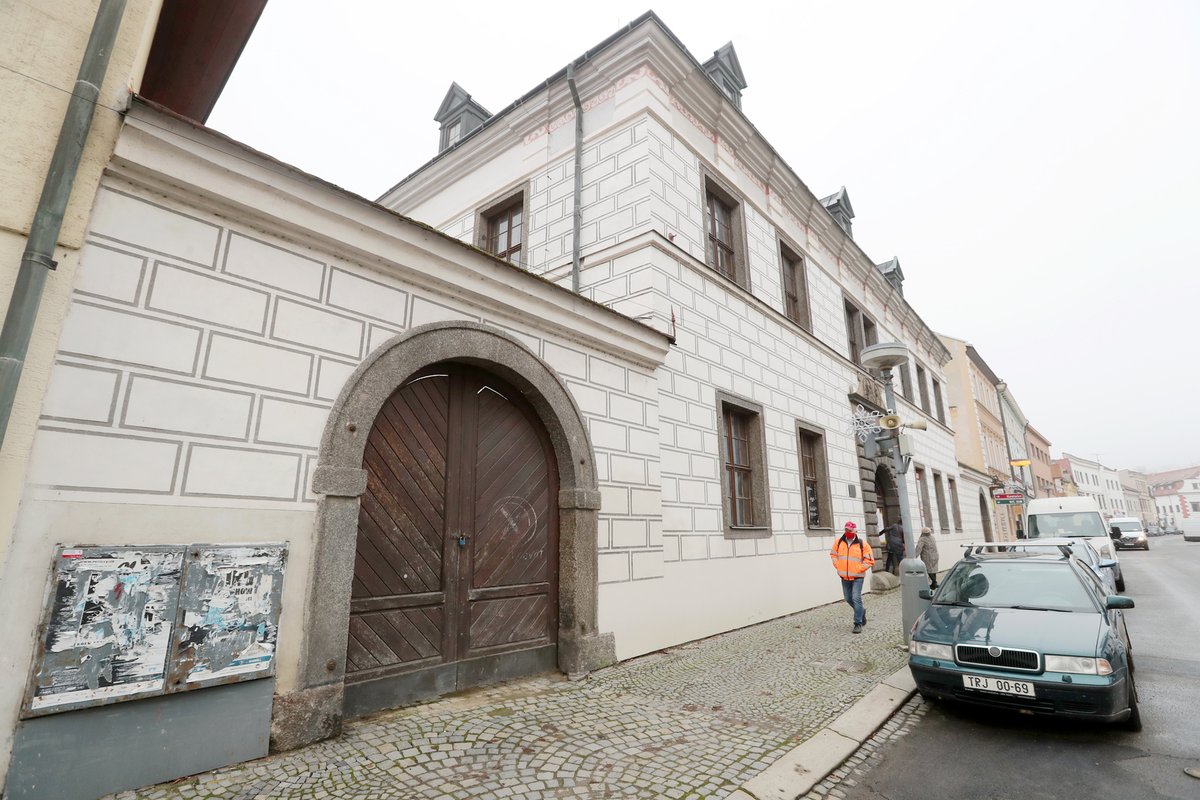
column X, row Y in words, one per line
column 504, row 232
column 955, row 511
column 743, row 467
column 923, row 497
column 720, row 236
column 814, row 478
column 923, row 388
column 906, row 382
column 500, row 228
column 854, row 331
column 795, row 287
column 939, row 406
column 870, row 332
column 724, row 233
column 940, row 498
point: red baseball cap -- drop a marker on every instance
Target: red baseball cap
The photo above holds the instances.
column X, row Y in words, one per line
column 850, row 526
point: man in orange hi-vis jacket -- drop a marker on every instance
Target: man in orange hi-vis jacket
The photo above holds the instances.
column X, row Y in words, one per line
column 852, row 557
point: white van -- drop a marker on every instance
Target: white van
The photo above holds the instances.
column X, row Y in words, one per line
column 1132, row 535
column 1073, row 517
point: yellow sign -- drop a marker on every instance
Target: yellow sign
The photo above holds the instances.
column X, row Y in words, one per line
column 1020, row 462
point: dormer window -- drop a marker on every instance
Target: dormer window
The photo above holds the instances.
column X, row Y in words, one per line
column 726, row 72
column 458, row 115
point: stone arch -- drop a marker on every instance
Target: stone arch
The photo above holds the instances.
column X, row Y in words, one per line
column 887, row 500
column 986, row 516
column 314, row 710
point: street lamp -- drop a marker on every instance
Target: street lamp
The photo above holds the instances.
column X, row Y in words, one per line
column 913, row 578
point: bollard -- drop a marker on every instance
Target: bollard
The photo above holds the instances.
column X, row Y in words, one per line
column 913, row 579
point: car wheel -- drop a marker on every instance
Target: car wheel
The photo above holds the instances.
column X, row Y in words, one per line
column 1120, row 582
column 1134, row 721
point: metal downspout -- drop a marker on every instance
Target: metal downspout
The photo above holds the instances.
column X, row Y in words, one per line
column 38, row 258
column 578, row 215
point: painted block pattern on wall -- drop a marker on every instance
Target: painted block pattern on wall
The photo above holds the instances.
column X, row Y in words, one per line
column 209, row 382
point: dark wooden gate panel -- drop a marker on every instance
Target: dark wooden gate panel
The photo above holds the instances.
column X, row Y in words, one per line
column 514, row 570
column 397, row 605
column 456, row 568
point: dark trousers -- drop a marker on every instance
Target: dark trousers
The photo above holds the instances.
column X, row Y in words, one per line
column 892, row 564
column 852, row 594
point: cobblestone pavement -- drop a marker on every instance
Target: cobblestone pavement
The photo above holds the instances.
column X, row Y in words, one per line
column 849, row 774
column 694, row 721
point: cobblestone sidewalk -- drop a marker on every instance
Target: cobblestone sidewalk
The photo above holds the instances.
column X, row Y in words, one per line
column 694, row 721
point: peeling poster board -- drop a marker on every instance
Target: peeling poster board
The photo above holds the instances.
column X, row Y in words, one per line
column 126, row 622
column 228, row 619
column 108, row 626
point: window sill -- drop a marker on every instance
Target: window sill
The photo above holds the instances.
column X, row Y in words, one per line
column 819, row 531
column 747, row 533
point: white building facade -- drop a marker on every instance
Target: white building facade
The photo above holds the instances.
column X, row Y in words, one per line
column 1101, row 483
column 235, row 330
column 690, row 221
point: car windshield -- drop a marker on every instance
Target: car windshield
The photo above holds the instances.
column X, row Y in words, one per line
column 1128, row 527
column 1084, row 523
column 1015, row 583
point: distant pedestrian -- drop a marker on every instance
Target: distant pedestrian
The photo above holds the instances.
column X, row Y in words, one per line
column 927, row 551
column 893, row 538
column 852, row 557
column 1020, row 530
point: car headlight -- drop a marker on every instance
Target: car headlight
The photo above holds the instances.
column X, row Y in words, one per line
column 1078, row 665
column 931, row 650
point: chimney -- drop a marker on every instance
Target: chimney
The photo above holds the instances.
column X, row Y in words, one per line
column 458, row 116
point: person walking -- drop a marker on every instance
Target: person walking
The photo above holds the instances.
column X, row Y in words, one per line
column 893, row 538
column 852, row 557
column 927, row 551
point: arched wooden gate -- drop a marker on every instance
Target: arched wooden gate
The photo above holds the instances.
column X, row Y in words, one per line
column 456, row 561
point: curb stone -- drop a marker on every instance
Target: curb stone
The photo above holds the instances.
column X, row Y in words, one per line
column 803, row 767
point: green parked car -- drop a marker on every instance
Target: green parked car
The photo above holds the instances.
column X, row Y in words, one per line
column 1033, row 630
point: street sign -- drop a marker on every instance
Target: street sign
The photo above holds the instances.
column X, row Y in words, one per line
column 1009, row 499
column 1020, row 462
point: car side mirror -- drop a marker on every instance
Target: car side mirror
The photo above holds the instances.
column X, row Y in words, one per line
column 1114, row 532
column 1117, row 601
column 925, row 594
column 1108, row 563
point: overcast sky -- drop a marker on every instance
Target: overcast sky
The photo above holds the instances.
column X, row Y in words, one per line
column 1035, row 165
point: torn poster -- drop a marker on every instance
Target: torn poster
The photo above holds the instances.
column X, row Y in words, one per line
column 228, row 620
column 108, row 626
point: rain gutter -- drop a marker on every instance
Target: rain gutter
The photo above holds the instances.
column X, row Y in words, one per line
column 38, row 258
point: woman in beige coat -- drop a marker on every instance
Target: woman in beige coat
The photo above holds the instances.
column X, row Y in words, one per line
column 927, row 551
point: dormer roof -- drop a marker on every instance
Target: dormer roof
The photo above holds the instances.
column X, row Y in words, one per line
column 840, row 199
column 892, row 273
column 726, row 70
column 457, row 100
column 838, row 206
